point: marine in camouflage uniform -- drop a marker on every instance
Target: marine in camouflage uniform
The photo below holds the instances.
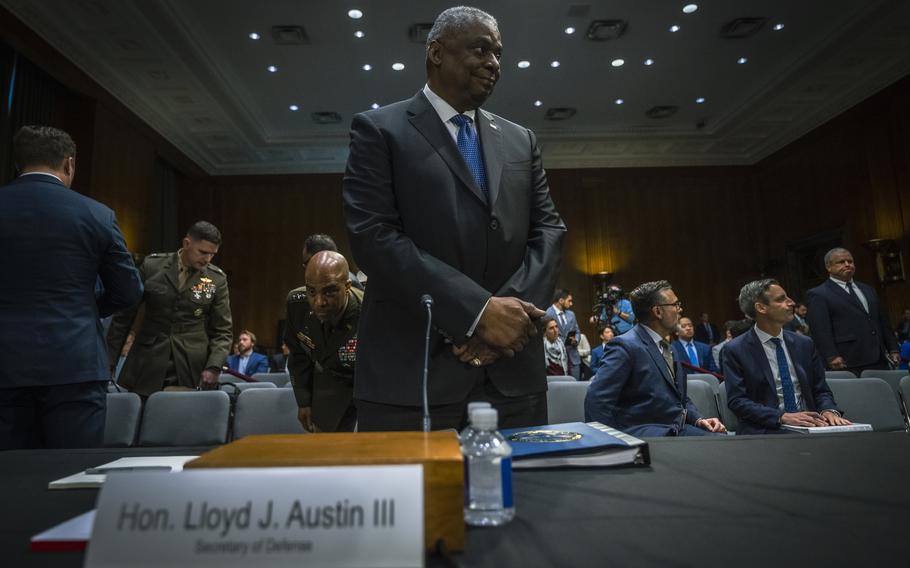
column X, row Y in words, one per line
column 323, row 342
column 185, row 334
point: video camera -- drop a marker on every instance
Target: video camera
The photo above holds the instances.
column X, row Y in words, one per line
column 604, row 302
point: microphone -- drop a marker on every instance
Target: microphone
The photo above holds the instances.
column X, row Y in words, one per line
column 427, row 301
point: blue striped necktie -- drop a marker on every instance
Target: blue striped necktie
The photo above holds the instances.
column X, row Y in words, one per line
column 470, row 149
column 786, row 381
column 693, row 356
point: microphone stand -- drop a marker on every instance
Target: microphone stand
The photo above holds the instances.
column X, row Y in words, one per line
column 426, row 300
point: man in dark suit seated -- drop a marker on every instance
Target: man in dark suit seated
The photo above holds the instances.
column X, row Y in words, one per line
column 606, row 334
column 847, row 322
column 775, row 377
column 247, row 361
column 687, row 349
column 706, row 332
column 66, row 267
column 445, row 199
column 639, row 387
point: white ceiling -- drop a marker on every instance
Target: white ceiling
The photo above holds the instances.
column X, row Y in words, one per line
column 189, row 69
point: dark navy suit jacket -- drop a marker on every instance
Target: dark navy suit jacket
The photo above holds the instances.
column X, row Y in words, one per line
column 258, row 363
column 751, row 390
column 703, row 350
column 841, row 327
column 633, row 390
column 597, row 355
column 57, row 245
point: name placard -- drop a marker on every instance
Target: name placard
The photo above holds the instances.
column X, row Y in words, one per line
column 314, row 516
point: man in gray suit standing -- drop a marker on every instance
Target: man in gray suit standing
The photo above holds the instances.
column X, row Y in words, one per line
column 446, row 199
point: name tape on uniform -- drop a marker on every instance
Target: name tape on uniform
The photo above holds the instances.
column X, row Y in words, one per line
column 313, row 516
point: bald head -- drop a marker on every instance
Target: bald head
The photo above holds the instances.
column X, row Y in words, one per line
column 328, row 285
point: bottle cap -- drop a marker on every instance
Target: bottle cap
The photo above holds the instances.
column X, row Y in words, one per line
column 472, row 406
column 485, row 418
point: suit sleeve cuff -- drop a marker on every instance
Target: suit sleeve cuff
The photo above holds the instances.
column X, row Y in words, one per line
column 470, row 332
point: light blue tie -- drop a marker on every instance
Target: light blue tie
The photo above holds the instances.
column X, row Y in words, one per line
column 470, row 149
column 786, row 381
column 693, row 356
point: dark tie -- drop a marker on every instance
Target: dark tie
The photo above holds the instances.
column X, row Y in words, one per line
column 693, row 356
column 855, row 297
column 668, row 356
column 470, row 149
column 786, row 381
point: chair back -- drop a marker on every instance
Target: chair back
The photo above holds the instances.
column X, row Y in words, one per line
column 839, row 375
column 560, row 379
column 191, row 418
column 266, row 411
column 869, row 401
column 893, row 378
column 278, row 379
column 240, row 387
column 566, row 401
column 122, row 419
column 704, row 397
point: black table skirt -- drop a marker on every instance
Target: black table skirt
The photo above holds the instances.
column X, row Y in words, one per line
column 833, row 500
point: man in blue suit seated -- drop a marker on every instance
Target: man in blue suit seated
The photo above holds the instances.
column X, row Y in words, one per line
column 685, row 348
column 606, row 334
column 639, row 387
column 247, row 362
column 775, row 377
column 66, row 267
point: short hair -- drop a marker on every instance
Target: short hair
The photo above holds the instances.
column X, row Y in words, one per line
column 560, row 294
column 603, row 327
column 319, row 242
column 755, row 291
column 545, row 320
column 832, row 252
column 730, row 324
column 454, row 20
column 204, row 231
column 740, row 327
column 646, row 296
column 41, row 146
column 248, row 332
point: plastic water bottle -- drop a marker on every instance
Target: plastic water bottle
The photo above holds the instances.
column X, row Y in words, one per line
column 488, row 473
column 469, row 431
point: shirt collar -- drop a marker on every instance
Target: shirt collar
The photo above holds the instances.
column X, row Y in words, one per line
column 766, row 337
column 444, row 109
column 839, row 282
column 654, row 335
column 41, row 174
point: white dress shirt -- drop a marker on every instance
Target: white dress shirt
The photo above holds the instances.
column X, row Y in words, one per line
column 859, row 293
column 771, row 355
column 242, row 362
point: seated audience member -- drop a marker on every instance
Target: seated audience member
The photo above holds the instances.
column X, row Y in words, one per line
column 902, row 327
column 555, row 356
column 280, row 360
column 799, row 324
column 584, row 352
column 775, row 377
column 706, row 332
column 569, row 332
column 247, row 361
column 319, row 242
column 606, row 334
column 687, row 349
column 715, row 351
column 639, row 387
column 322, row 321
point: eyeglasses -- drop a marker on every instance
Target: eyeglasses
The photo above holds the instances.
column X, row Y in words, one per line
column 674, row 304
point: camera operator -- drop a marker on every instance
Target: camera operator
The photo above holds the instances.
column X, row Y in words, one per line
column 614, row 308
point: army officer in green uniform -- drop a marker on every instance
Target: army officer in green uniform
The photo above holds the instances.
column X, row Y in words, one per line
column 321, row 334
column 185, row 334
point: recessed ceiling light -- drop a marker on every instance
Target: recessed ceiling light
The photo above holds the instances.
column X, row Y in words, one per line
column 742, row 60
column 649, row 62
column 524, row 64
column 254, row 36
column 619, row 101
column 778, row 27
column 294, row 108
column 397, row 66
column 272, row 69
column 355, row 14
column 538, row 103
column 554, row 64
column 359, row 34
column 699, row 100
column 690, row 8
column 374, row 106
column 674, row 28
column 366, row 67
column 618, row 62
column 570, row 30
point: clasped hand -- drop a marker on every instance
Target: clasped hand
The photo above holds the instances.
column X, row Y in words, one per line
column 505, row 327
